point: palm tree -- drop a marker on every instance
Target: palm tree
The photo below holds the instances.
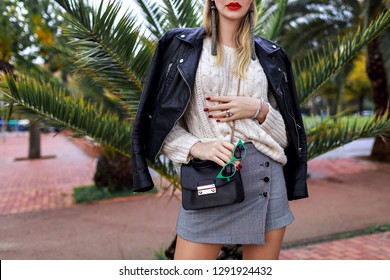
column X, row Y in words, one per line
column 116, row 52
column 313, row 25
column 322, row 18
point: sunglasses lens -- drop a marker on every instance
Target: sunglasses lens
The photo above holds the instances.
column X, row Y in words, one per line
column 228, row 170
column 240, row 152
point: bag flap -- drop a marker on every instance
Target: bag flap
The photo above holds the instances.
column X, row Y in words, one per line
column 201, row 173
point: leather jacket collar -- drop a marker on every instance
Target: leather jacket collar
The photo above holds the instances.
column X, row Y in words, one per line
column 265, row 51
column 195, row 37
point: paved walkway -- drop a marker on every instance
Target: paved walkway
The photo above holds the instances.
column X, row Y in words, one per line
column 366, row 247
column 34, row 185
column 346, row 194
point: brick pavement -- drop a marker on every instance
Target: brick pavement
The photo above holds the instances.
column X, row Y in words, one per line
column 366, row 247
column 32, row 185
column 332, row 168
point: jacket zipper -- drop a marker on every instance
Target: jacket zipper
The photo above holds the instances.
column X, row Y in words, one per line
column 169, row 69
column 288, row 112
column 185, row 108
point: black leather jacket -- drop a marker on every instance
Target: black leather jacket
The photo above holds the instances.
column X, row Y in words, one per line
column 168, row 88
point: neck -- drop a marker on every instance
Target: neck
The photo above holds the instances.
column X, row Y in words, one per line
column 226, row 31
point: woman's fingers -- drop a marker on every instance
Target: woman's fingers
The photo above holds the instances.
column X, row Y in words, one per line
column 219, row 161
column 219, row 107
column 228, row 146
column 220, row 115
column 232, row 108
column 219, row 98
column 218, row 151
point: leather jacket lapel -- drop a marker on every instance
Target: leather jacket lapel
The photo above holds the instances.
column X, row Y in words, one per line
column 186, row 63
column 268, row 61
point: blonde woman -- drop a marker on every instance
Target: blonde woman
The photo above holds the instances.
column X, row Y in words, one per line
column 201, row 81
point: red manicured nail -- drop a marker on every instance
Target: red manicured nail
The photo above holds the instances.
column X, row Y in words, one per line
column 208, row 98
column 210, row 116
column 206, row 109
column 218, row 120
column 239, row 165
column 238, row 168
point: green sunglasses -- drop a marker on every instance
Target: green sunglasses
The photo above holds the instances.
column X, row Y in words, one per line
column 229, row 169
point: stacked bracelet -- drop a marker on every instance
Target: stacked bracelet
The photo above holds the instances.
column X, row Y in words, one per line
column 259, row 109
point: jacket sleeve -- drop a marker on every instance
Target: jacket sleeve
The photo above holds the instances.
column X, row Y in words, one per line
column 142, row 180
column 296, row 108
column 295, row 170
column 178, row 143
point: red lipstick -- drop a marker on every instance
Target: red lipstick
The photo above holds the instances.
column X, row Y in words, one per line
column 233, row 6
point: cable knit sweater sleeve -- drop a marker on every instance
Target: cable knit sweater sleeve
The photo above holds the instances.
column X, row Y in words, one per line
column 178, row 143
column 274, row 124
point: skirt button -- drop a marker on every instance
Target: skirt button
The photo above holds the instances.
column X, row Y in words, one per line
column 266, row 179
column 265, row 194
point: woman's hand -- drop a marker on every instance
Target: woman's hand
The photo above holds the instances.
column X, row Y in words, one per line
column 218, row 151
column 236, row 107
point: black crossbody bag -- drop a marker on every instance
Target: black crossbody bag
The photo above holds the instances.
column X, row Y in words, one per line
column 202, row 189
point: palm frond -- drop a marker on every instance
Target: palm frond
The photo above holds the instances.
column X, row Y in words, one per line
column 180, row 13
column 49, row 101
column 264, row 8
column 38, row 72
column 168, row 170
column 272, row 23
column 154, row 17
column 331, row 133
column 309, row 35
column 317, row 68
column 109, row 50
column 171, row 13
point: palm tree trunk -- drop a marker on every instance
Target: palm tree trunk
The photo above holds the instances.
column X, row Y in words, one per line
column 34, row 146
column 34, row 149
column 377, row 74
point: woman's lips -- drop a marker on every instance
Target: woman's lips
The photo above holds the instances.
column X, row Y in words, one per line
column 233, row 6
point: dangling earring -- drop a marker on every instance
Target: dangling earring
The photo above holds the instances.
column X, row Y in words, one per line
column 213, row 30
column 252, row 31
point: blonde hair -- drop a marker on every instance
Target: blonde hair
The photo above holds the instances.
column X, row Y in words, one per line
column 242, row 39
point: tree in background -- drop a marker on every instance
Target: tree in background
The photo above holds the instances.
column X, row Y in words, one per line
column 317, row 23
column 378, row 52
column 28, row 30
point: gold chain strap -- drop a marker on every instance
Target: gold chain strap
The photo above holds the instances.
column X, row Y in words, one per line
column 233, row 127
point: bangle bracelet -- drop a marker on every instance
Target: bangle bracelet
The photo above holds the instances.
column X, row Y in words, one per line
column 259, row 109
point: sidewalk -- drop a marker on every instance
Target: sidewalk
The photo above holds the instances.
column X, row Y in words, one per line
column 39, row 221
column 34, row 185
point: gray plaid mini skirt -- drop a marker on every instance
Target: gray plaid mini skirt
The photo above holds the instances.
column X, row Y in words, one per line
column 265, row 207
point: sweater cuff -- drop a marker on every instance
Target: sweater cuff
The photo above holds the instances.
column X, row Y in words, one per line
column 270, row 127
column 181, row 152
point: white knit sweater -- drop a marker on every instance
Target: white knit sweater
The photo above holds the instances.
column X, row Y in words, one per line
column 218, row 80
